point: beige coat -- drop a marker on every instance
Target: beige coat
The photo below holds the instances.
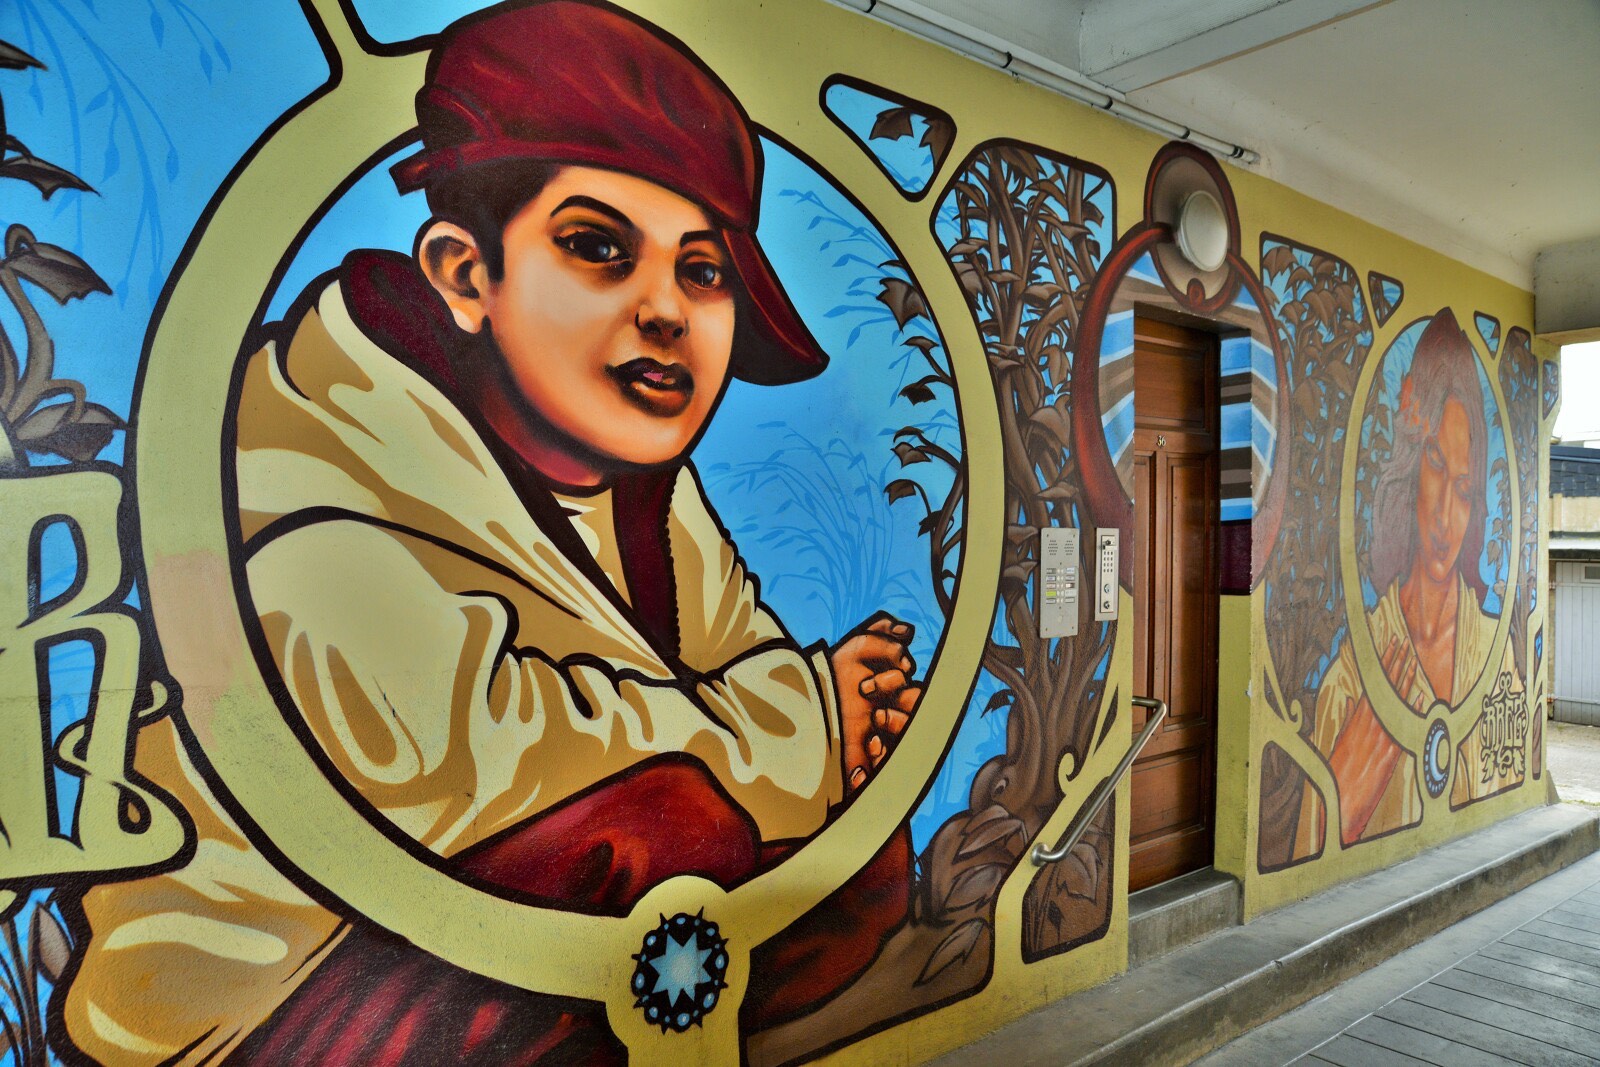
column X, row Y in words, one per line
column 456, row 668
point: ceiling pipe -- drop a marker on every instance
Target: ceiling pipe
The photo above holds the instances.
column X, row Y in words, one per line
column 939, row 28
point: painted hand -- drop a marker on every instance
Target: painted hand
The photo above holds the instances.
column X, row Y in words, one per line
column 872, row 669
column 1400, row 666
column 1364, row 756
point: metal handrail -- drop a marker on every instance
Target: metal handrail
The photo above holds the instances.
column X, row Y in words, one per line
column 1108, row 786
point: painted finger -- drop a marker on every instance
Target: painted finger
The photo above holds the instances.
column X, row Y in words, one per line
column 883, row 685
column 875, row 749
column 880, row 651
column 890, row 720
column 906, row 700
column 890, row 626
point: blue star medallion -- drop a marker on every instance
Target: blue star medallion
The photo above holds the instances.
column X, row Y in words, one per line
column 680, row 971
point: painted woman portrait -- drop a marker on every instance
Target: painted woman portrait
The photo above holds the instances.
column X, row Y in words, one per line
column 500, row 608
column 1429, row 625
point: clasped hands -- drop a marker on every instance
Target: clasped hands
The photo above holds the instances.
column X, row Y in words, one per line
column 873, row 669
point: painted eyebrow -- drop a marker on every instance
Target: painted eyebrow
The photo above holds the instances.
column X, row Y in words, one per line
column 600, row 207
column 700, row 235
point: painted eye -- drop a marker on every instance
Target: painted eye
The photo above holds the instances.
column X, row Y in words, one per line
column 1435, row 456
column 593, row 246
column 703, row 274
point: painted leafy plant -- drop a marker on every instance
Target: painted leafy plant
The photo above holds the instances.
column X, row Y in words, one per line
column 837, row 539
column 1323, row 325
column 1315, row 304
column 1519, row 381
column 29, row 966
column 40, row 413
column 942, row 519
column 1026, row 253
column 894, row 123
column 821, row 515
column 1022, row 246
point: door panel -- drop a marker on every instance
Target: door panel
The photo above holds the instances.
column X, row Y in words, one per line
column 1168, row 781
column 1176, row 586
column 1168, row 392
column 1143, row 588
column 1192, row 605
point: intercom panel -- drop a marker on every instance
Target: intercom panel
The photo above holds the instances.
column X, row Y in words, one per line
column 1107, row 547
column 1058, row 581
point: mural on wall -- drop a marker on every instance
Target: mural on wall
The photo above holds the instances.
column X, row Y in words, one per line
column 1519, row 384
column 596, row 651
column 1424, row 692
column 1488, row 329
column 1025, row 232
column 1433, row 514
column 1324, row 333
column 1387, row 293
column 542, row 626
column 81, row 675
column 908, row 140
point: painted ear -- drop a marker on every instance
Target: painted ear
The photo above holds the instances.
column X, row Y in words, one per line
column 453, row 264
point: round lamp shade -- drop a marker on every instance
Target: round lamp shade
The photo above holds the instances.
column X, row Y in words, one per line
column 1202, row 231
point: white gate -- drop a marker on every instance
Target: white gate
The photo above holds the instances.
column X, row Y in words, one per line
column 1575, row 659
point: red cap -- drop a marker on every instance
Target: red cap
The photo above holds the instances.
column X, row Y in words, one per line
column 581, row 82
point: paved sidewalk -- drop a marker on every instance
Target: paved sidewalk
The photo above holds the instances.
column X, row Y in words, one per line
column 1170, row 1009
column 1532, row 997
column 1573, row 753
column 1518, row 983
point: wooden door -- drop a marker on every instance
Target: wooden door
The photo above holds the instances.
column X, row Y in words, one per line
column 1176, row 586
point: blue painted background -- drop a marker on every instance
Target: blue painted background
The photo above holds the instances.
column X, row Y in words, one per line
column 909, row 162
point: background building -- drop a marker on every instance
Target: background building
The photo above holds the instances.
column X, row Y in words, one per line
column 1574, row 583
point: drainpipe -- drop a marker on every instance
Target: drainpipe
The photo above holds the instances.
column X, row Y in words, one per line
column 939, row 28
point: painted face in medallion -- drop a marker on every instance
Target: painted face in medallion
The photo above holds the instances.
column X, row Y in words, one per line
column 614, row 317
column 1444, row 493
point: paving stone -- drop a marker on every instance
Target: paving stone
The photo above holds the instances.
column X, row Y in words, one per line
column 1178, row 1007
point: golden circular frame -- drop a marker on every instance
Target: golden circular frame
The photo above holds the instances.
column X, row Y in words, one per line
column 251, row 753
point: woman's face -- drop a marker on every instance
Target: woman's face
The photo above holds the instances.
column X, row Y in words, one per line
column 615, row 318
column 1444, row 492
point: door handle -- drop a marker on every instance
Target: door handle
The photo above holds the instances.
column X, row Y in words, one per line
column 1107, row 787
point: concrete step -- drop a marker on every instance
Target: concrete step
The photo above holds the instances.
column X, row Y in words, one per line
column 1175, row 1008
column 1180, row 912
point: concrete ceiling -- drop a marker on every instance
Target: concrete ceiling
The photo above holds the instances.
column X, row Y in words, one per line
column 1470, row 126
